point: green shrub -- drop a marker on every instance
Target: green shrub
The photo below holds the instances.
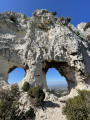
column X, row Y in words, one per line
column 77, row 32
column 5, row 94
column 15, row 91
column 54, row 13
column 9, row 106
column 4, row 109
column 78, row 108
column 88, row 37
column 67, row 20
column 37, row 95
column 30, row 114
column 87, row 26
column 8, row 103
column 61, row 19
column 9, row 109
column 26, row 86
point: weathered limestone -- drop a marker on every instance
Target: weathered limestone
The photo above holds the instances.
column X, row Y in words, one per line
column 39, row 43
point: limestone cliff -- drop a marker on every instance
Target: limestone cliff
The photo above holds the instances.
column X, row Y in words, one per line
column 40, row 42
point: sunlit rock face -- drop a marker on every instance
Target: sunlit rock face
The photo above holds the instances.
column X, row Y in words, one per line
column 41, row 42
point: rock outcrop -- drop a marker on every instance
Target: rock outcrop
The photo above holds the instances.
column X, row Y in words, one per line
column 41, row 42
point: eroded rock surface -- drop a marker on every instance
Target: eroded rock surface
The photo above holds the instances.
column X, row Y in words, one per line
column 40, row 42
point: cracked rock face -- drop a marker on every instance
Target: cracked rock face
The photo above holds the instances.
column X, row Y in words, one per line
column 40, row 42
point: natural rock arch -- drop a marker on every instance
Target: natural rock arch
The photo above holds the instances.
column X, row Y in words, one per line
column 65, row 70
column 41, row 42
column 16, row 74
column 55, row 81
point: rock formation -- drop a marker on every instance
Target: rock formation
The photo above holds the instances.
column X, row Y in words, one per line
column 41, row 42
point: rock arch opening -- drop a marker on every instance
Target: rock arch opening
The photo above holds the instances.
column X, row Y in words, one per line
column 55, row 80
column 16, row 74
column 64, row 69
column 56, row 83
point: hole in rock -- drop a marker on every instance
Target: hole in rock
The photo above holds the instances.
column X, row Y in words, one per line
column 16, row 75
column 56, row 83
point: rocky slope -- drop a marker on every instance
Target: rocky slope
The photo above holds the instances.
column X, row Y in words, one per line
column 41, row 42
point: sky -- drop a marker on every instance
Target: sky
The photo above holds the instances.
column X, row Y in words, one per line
column 53, row 77
column 16, row 75
column 77, row 10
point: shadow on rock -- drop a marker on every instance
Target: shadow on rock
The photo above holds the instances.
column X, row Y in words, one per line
column 50, row 104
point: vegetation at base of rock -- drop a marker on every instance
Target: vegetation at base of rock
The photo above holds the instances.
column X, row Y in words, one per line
column 78, row 108
column 87, row 26
column 9, row 105
column 37, row 95
column 12, row 18
column 54, row 13
column 14, row 92
column 9, row 108
column 26, row 86
column 77, row 32
column 15, row 89
column 67, row 20
column 4, row 94
column 4, row 109
column 88, row 37
column 30, row 114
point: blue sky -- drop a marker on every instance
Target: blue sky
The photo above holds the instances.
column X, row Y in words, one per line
column 77, row 10
column 53, row 77
column 16, row 75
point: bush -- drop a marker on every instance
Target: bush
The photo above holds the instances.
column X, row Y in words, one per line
column 67, row 20
column 15, row 91
column 9, row 111
column 4, row 109
column 54, row 13
column 37, row 95
column 87, row 26
column 8, row 103
column 9, row 106
column 5, row 94
column 77, row 32
column 88, row 37
column 26, row 86
column 61, row 19
column 78, row 108
column 30, row 114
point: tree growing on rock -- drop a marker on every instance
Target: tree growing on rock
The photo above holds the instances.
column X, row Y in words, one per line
column 67, row 20
column 26, row 86
column 86, row 26
column 54, row 13
column 61, row 19
column 37, row 96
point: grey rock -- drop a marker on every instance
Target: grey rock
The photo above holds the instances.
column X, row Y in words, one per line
column 40, row 42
